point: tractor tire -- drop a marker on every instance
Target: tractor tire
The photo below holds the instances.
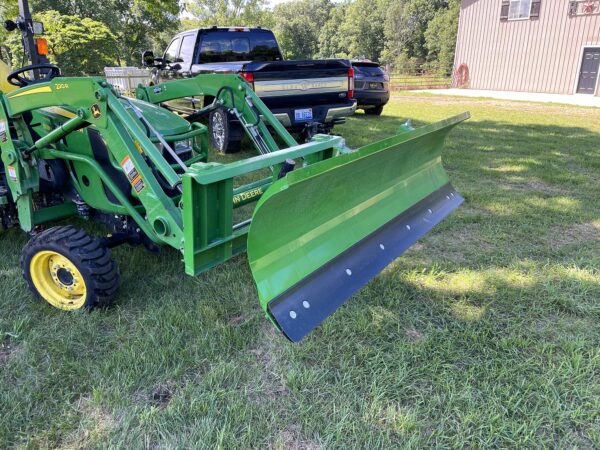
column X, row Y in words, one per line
column 374, row 111
column 70, row 269
column 225, row 133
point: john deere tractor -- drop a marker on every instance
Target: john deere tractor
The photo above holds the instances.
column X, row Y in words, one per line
column 326, row 219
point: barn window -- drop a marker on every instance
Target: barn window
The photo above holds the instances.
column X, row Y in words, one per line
column 520, row 9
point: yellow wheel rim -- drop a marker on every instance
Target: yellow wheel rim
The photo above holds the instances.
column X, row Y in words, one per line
column 57, row 280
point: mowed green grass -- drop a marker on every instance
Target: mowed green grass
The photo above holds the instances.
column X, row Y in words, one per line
column 485, row 334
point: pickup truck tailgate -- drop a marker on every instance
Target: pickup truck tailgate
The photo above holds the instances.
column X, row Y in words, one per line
column 300, row 83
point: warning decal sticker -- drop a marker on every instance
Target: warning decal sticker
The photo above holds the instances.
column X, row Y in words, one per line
column 132, row 174
column 129, row 169
column 12, row 173
column 138, row 185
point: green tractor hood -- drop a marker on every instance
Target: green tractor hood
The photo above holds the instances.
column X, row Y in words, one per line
column 165, row 122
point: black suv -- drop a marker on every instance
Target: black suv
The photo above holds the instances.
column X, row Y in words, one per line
column 371, row 87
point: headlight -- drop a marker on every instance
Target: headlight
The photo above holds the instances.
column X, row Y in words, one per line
column 358, row 76
column 183, row 146
column 180, row 147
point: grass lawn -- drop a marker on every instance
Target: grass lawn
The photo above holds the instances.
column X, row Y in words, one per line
column 485, row 334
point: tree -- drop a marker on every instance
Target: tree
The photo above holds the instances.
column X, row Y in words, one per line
column 440, row 37
column 355, row 29
column 388, row 31
column 406, row 24
column 333, row 42
column 136, row 24
column 8, row 9
column 298, row 25
column 421, row 31
column 399, row 29
column 78, row 45
column 366, row 19
column 227, row 12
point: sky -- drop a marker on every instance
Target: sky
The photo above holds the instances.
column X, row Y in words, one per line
column 277, row 2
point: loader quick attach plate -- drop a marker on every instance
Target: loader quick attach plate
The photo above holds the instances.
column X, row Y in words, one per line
column 323, row 231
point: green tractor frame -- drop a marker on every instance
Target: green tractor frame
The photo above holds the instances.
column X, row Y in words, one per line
column 325, row 219
column 75, row 147
column 318, row 220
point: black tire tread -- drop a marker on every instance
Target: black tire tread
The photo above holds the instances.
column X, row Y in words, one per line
column 234, row 133
column 376, row 111
column 93, row 260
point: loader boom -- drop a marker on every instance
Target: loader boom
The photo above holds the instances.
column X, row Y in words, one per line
column 326, row 220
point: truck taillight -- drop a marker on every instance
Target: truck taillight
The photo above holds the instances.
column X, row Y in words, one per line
column 350, row 82
column 249, row 77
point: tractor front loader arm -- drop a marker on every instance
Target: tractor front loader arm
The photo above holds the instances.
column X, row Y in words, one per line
column 231, row 92
column 322, row 231
column 94, row 105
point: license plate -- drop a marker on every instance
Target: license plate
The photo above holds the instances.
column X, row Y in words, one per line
column 374, row 85
column 303, row 114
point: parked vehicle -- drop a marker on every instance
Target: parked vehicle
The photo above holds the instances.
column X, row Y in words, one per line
column 306, row 96
column 371, row 87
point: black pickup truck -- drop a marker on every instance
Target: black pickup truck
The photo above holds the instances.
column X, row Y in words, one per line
column 306, row 96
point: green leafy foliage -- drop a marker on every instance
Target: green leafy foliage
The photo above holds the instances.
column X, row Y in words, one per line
column 400, row 33
column 78, row 45
column 363, row 26
column 136, row 24
column 440, row 36
column 395, row 32
column 414, row 17
column 227, row 12
column 298, row 25
column 332, row 39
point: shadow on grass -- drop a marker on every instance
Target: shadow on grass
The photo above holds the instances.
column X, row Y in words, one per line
column 483, row 334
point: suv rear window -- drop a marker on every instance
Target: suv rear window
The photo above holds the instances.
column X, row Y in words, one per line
column 368, row 69
column 223, row 46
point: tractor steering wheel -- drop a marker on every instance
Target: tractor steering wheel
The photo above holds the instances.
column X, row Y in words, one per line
column 16, row 79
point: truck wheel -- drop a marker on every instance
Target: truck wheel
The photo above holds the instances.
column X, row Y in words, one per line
column 225, row 134
column 69, row 269
column 374, row 111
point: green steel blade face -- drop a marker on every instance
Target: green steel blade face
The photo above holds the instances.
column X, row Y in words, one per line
column 301, row 308
column 314, row 214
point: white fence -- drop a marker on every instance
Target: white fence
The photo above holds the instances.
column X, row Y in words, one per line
column 126, row 79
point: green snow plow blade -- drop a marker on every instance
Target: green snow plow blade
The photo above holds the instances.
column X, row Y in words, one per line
column 322, row 232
